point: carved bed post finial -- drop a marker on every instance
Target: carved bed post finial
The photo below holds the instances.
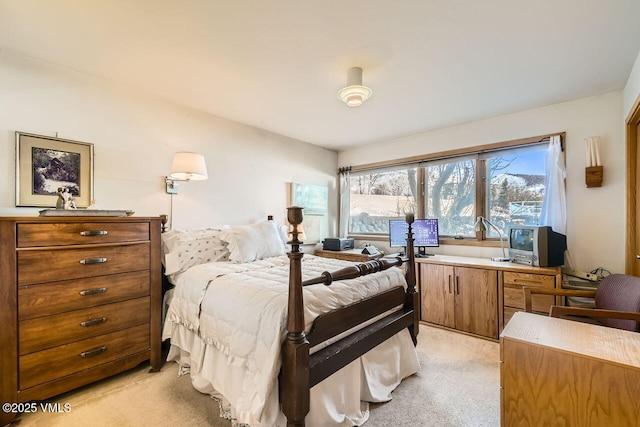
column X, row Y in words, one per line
column 413, row 299
column 295, row 349
column 163, row 220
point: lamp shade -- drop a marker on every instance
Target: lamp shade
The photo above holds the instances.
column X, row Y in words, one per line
column 188, row 166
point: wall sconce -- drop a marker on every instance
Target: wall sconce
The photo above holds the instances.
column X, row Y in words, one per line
column 482, row 224
column 354, row 94
column 186, row 166
column 594, row 171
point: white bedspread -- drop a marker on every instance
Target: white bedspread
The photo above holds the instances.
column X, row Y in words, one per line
column 241, row 309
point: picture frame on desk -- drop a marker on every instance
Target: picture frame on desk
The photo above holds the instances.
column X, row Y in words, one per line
column 44, row 164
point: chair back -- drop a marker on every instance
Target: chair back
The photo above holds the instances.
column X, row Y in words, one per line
column 619, row 292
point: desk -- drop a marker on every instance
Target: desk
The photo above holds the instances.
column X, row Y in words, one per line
column 552, row 373
column 354, row 255
column 477, row 295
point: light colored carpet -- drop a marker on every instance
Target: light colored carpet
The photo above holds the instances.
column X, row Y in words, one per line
column 458, row 385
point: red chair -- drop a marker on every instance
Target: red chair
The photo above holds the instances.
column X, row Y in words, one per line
column 617, row 303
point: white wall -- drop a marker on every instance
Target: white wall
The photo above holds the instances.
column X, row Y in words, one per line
column 135, row 137
column 632, row 88
column 595, row 229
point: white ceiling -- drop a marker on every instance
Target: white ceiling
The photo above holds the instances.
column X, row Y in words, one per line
column 277, row 64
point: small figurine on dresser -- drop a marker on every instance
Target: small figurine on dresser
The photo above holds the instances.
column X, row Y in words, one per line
column 61, row 201
column 65, row 199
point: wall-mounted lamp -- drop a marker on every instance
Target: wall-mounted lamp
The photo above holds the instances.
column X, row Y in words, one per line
column 482, row 224
column 186, row 166
column 354, row 94
column 594, row 171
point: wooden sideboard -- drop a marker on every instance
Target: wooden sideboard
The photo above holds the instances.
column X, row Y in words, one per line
column 562, row 372
column 477, row 295
column 81, row 301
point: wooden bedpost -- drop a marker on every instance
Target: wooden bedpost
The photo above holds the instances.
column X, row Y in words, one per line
column 294, row 387
column 413, row 298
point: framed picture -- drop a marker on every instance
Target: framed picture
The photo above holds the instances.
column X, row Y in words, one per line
column 314, row 199
column 44, row 165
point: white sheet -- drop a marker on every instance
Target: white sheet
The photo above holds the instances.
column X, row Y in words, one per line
column 228, row 320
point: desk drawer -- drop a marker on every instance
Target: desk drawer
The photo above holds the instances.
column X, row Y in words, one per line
column 39, row 266
column 51, row 331
column 45, row 299
column 528, row 279
column 80, row 233
column 57, row 362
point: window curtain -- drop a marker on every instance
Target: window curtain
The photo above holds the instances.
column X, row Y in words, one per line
column 343, row 223
column 554, row 206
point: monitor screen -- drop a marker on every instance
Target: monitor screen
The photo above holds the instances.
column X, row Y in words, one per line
column 521, row 238
column 425, row 232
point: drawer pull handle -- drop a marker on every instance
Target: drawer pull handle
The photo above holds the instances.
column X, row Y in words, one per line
column 94, row 352
column 92, row 322
column 93, row 291
column 92, row 261
column 94, row 233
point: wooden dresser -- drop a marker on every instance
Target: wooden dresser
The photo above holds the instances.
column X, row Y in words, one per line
column 81, row 301
column 558, row 372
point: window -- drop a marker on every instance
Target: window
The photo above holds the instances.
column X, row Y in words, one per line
column 505, row 184
column 450, row 192
column 515, row 188
column 376, row 197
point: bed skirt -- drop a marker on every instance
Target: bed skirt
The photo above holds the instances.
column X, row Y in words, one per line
column 340, row 400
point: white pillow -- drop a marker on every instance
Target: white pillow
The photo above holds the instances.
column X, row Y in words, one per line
column 248, row 243
column 186, row 248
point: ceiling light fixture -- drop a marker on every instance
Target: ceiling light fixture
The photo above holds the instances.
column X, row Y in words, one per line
column 354, row 94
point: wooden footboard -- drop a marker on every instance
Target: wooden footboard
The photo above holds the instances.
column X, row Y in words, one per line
column 300, row 370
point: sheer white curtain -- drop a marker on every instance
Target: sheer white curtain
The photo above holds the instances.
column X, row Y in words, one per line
column 343, row 226
column 554, row 207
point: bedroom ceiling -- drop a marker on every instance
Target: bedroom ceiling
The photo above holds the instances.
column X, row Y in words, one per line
column 278, row 64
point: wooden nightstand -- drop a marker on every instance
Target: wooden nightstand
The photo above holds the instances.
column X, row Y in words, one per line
column 354, row 255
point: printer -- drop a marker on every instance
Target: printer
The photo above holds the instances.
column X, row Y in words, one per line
column 337, row 244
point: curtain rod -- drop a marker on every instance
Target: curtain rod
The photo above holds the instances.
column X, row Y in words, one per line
column 456, row 153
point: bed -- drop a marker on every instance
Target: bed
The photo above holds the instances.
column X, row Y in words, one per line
column 288, row 338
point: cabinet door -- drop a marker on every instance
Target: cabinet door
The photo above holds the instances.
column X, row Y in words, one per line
column 436, row 288
column 476, row 301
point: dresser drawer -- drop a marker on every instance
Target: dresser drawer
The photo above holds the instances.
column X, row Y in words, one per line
column 38, row 266
column 45, row 299
column 51, row 331
column 514, row 297
column 527, row 279
column 80, row 233
column 57, row 362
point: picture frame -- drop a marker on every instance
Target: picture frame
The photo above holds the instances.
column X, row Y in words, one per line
column 314, row 199
column 44, row 164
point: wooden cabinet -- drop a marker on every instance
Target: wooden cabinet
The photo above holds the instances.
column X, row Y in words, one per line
column 463, row 298
column 553, row 374
column 480, row 296
column 81, row 301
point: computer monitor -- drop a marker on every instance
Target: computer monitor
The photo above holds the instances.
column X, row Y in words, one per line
column 425, row 233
